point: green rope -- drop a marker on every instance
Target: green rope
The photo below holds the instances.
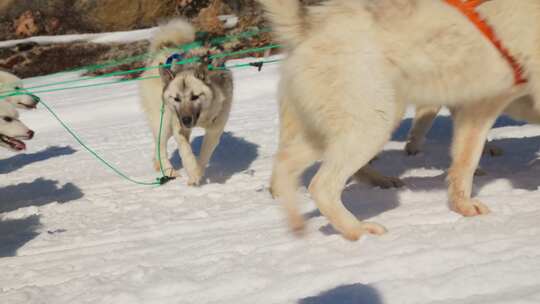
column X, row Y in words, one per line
column 163, row 178
column 200, row 36
column 159, row 181
column 133, row 71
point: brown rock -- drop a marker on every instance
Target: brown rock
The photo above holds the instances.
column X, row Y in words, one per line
column 52, row 25
column 208, row 18
column 117, row 15
column 26, row 25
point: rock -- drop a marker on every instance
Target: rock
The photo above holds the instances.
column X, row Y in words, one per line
column 118, row 15
column 26, row 25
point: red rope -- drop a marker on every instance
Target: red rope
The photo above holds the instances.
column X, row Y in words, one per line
column 468, row 8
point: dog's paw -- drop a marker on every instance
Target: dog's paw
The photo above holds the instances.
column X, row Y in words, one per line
column 480, row 172
column 194, row 181
column 363, row 228
column 296, row 223
column 387, row 182
column 195, row 178
column 470, row 207
column 411, row 148
column 168, row 170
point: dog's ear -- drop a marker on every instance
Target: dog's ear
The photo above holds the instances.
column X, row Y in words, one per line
column 166, row 73
column 202, row 69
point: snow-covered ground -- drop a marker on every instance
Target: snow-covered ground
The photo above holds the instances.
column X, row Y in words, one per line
column 72, row 232
column 128, row 36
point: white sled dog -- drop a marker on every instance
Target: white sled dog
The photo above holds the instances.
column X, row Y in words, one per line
column 12, row 130
column 521, row 109
column 354, row 64
column 10, row 83
column 194, row 96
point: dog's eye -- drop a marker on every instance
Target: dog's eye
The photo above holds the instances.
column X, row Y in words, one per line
column 8, row 119
column 195, row 97
column 177, row 99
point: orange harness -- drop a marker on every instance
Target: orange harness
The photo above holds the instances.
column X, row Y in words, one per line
column 468, row 8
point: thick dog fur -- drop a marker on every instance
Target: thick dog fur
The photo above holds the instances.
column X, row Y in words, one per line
column 354, row 64
column 12, row 130
column 194, row 97
column 10, row 82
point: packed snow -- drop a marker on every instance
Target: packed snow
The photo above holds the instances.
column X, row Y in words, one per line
column 73, row 232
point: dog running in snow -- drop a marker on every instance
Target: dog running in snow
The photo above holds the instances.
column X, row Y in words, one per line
column 354, row 65
column 194, row 96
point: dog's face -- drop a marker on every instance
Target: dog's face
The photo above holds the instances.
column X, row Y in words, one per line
column 10, row 83
column 23, row 101
column 12, row 130
column 187, row 92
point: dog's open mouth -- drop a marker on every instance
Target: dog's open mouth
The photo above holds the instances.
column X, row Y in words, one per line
column 13, row 143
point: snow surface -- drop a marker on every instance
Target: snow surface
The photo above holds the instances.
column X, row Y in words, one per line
column 72, row 232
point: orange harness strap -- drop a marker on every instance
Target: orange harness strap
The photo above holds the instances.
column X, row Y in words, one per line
column 468, row 8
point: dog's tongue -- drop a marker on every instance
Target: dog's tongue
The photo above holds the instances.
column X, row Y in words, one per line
column 17, row 144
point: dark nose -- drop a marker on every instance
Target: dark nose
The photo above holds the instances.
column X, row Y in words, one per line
column 187, row 120
column 30, row 134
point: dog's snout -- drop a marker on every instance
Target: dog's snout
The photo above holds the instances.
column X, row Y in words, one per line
column 30, row 134
column 187, row 121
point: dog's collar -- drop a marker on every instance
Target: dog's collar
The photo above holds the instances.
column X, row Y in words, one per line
column 468, row 8
column 173, row 58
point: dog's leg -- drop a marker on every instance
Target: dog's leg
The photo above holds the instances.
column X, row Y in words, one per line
column 210, row 142
column 423, row 119
column 290, row 162
column 182, row 137
column 290, row 131
column 339, row 163
column 371, row 176
column 471, row 125
column 164, row 138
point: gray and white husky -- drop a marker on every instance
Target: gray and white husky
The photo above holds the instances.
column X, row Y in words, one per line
column 12, row 130
column 194, row 96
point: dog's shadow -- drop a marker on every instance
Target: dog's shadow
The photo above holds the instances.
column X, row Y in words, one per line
column 364, row 201
column 16, row 233
column 37, row 193
column 19, row 161
column 232, row 155
column 346, row 294
column 519, row 156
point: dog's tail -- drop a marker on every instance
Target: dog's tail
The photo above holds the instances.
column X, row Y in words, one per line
column 175, row 32
column 287, row 18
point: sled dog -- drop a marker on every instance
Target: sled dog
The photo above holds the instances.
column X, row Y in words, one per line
column 194, row 96
column 352, row 67
column 12, row 130
column 10, row 83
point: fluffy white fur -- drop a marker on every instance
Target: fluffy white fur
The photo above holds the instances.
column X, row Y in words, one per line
column 354, row 64
column 194, row 97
